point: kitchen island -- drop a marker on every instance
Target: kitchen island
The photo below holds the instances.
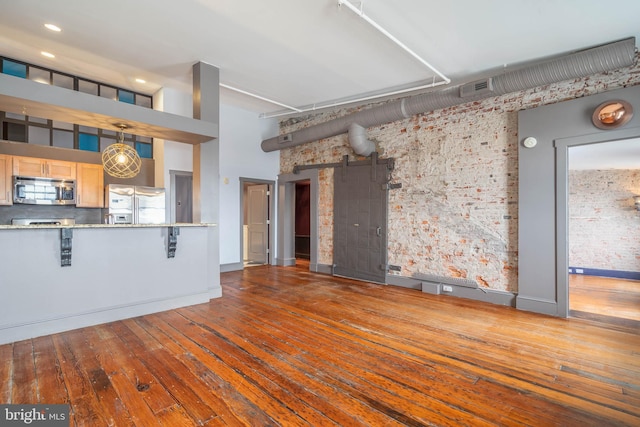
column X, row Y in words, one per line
column 116, row 271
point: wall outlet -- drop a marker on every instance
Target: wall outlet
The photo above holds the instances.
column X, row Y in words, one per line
column 447, row 288
column 579, row 271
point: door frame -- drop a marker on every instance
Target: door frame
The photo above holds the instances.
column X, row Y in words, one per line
column 562, row 146
column 285, row 252
column 271, row 211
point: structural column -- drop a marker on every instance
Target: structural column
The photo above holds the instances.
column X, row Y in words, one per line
column 206, row 186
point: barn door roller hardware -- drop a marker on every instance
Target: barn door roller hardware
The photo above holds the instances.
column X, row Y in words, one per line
column 390, row 162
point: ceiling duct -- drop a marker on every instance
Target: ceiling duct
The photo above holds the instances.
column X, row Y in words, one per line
column 584, row 63
column 359, row 142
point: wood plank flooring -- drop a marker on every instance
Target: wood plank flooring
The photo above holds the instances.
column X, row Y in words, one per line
column 286, row 347
column 604, row 297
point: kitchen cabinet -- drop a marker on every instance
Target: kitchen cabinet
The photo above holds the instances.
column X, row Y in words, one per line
column 6, row 184
column 89, row 186
column 43, row 168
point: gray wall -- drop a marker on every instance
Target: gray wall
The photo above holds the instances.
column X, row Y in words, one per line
column 543, row 230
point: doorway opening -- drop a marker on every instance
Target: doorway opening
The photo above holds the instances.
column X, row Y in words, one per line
column 303, row 220
column 603, row 233
column 256, row 210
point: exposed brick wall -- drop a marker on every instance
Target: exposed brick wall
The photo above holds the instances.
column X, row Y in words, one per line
column 456, row 213
column 325, row 217
column 604, row 226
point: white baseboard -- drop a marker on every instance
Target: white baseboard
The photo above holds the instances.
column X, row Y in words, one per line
column 234, row 266
column 17, row 332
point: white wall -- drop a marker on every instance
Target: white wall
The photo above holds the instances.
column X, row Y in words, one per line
column 173, row 101
column 177, row 156
column 170, row 155
column 107, row 280
column 241, row 133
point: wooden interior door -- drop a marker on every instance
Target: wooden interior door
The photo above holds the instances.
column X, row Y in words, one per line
column 257, row 220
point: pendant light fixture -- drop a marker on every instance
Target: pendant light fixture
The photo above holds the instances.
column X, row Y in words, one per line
column 121, row 160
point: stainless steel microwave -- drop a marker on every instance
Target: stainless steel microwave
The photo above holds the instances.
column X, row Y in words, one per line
column 43, row 191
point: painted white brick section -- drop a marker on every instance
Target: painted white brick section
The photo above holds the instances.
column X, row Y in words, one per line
column 604, row 226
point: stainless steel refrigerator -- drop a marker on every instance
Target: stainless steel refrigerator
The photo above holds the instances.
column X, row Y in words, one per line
column 129, row 204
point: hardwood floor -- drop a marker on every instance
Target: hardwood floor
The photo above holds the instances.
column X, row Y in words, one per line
column 604, row 298
column 288, row 347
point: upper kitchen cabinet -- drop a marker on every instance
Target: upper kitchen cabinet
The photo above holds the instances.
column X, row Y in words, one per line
column 90, row 186
column 43, row 168
column 5, row 180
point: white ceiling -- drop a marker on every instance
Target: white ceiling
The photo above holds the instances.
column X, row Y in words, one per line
column 302, row 52
column 311, row 52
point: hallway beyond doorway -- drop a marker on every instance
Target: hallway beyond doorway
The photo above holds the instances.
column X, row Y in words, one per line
column 604, row 298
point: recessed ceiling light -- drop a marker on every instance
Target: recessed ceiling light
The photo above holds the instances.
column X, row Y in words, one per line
column 47, row 54
column 53, row 27
column 141, row 80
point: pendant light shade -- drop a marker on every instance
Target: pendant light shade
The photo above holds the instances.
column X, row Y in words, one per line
column 121, row 160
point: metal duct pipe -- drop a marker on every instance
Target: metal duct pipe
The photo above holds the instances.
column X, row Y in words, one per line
column 359, row 142
column 607, row 57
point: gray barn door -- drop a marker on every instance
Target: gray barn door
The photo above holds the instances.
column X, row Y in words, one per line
column 360, row 222
column 257, row 220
